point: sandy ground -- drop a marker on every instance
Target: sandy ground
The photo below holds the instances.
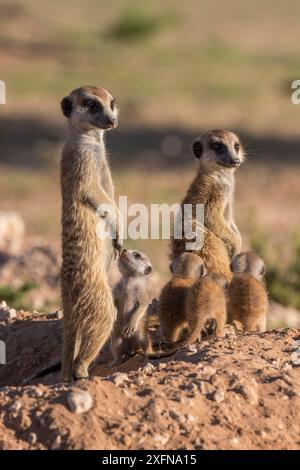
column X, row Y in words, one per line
column 239, row 392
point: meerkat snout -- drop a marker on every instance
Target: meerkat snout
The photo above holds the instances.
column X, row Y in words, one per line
column 219, row 148
column 90, row 107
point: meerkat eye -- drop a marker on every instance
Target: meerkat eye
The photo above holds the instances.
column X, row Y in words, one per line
column 137, row 255
column 93, row 106
column 237, row 146
column 217, row 146
column 112, row 105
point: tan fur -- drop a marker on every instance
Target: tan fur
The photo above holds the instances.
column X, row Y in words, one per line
column 130, row 333
column 173, row 314
column 86, row 183
column 213, row 187
column 247, row 295
column 206, row 307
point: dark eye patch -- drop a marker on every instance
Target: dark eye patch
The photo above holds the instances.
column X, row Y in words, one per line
column 92, row 105
column 218, row 146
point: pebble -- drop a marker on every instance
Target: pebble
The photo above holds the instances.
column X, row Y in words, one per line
column 218, row 396
column 149, row 368
column 7, row 313
column 79, row 401
column 32, row 438
column 295, row 358
column 119, row 378
column 56, row 443
column 59, row 314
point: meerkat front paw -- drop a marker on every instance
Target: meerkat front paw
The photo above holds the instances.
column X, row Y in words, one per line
column 128, row 331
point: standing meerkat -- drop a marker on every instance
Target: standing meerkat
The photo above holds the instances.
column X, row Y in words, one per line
column 173, row 315
column 219, row 152
column 130, row 332
column 247, row 295
column 87, row 187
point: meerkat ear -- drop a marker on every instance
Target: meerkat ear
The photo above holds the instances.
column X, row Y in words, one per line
column 198, row 148
column 263, row 271
column 148, row 269
column 66, row 106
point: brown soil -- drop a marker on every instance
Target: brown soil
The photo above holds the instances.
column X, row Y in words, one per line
column 239, row 392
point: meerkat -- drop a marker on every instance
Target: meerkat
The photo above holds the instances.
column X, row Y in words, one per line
column 206, row 307
column 173, row 315
column 220, row 153
column 130, row 332
column 87, row 201
column 247, row 294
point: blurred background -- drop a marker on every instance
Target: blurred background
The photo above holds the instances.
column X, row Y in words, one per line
column 177, row 69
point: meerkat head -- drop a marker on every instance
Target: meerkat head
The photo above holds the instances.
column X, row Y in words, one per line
column 188, row 265
column 250, row 263
column 219, row 149
column 89, row 108
column 134, row 263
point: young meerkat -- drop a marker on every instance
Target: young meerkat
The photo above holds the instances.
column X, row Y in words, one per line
column 87, row 203
column 130, row 332
column 173, row 314
column 247, row 294
column 206, row 307
column 220, row 153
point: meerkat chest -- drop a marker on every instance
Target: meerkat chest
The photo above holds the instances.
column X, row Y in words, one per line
column 225, row 185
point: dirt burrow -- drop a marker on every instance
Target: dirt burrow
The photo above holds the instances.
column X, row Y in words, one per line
column 239, row 392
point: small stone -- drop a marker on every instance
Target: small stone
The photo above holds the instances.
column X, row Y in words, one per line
column 149, row 368
column 79, row 401
column 7, row 314
column 174, row 414
column 192, row 348
column 56, row 443
column 16, row 406
column 235, row 441
column 32, row 438
column 59, row 314
column 295, row 358
column 119, row 378
column 218, row 396
column 161, row 439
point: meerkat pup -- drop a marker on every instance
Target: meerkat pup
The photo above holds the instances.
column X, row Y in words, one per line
column 206, row 307
column 247, row 295
column 130, row 332
column 87, row 188
column 220, row 153
column 173, row 314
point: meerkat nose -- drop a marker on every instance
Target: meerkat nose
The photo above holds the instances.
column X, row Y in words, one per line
column 111, row 122
column 235, row 162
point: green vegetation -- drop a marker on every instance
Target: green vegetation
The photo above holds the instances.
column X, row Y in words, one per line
column 137, row 23
column 282, row 277
column 14, row 297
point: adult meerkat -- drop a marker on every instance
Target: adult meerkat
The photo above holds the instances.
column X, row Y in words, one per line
column 220, row 153
column 87, row 195
column 130, row 332
column 247, row 295
column 173, row 314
